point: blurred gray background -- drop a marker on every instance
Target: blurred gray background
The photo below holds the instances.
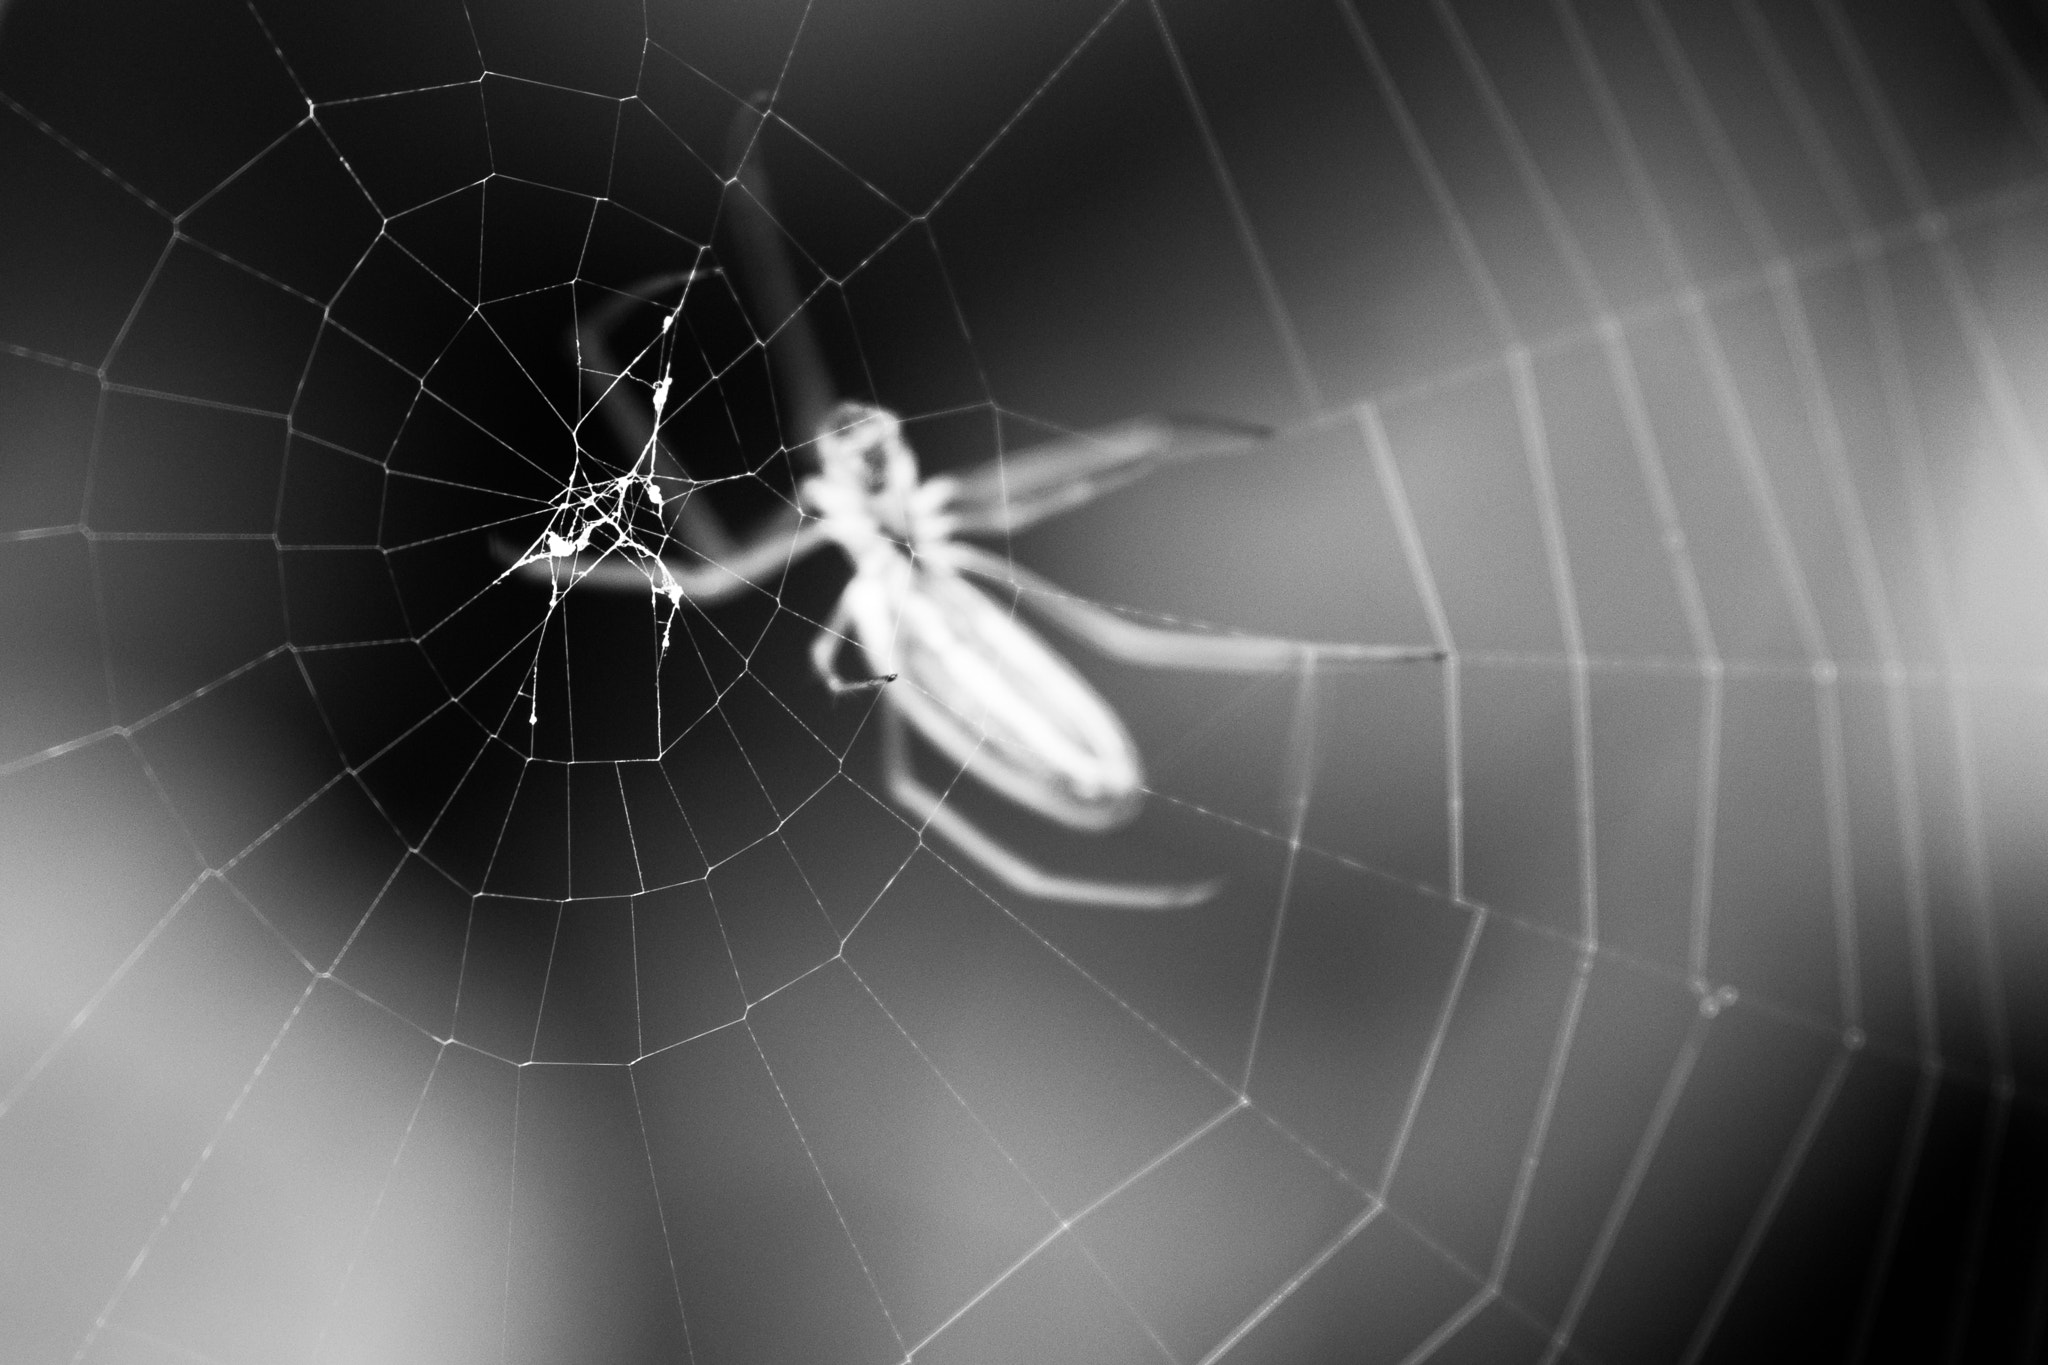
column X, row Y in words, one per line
column 1654, row 980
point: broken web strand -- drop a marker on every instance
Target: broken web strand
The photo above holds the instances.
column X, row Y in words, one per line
column 606, row 512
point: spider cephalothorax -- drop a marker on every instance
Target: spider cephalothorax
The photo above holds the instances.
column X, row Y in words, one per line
column 866, row 493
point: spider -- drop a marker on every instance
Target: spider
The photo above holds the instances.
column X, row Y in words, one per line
column 954, row 665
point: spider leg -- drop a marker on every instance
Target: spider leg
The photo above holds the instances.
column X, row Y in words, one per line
column 825, row 655
column 1163, row 647
column 1018, row 873
column 1023, row 489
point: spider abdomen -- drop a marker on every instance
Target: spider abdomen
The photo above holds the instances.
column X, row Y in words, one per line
column 991, row 695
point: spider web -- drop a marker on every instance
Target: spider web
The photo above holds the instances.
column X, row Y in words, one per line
column 405, row 962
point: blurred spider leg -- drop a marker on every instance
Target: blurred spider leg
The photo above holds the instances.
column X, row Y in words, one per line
column 932, row 812
column 825, row 657
column 1163, row 647
column 801, row 377
column 1023, row 489
column 696, row 523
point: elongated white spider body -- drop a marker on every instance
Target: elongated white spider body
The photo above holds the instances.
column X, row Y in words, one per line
column 982, row 688
column 956, row 667
column 991, row 695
